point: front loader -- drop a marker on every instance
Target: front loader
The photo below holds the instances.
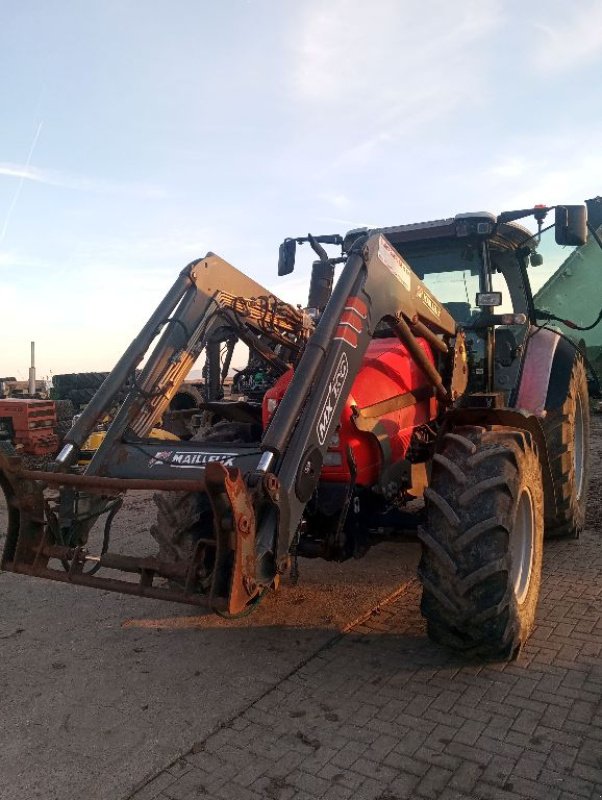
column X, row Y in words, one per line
column 397, row 381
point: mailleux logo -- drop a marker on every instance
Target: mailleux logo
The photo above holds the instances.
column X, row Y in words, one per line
column 335, row 386
column 422, row 294
column 187, row 459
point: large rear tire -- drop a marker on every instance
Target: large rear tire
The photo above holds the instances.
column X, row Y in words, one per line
column 483, row 542
column 567, row 435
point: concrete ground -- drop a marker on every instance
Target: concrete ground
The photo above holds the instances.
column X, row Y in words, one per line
column 112, row 697
column 100, row 691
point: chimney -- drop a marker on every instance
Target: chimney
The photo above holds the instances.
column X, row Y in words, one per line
column 32, row 370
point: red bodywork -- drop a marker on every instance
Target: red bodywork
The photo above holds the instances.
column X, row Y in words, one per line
column 33, row 423
column 387, row 371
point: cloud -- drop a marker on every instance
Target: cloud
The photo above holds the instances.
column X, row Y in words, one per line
column 9, row 295
column 342, row 48
column 171, row 250
column 12, row 259
column 362, row 151
column 349, row 223
column 63, row 180
column 382, row 72
column 568, row 183
column 142, row 253
column 511, row 167
column 558, row 168
column 572, row 40
column 336, row 199
column 292, row 289
column 23, row 171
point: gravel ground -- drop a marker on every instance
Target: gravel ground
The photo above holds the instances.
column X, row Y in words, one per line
column 594, row 507
column 101, row 691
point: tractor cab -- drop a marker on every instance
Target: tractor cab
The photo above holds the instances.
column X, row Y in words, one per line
column 498, row 278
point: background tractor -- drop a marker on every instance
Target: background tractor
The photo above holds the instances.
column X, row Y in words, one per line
column 425, row 371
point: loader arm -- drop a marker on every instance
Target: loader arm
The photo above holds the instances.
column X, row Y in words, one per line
column 257, row 496
column 208, row 294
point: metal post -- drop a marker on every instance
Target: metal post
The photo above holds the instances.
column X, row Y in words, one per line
column 32, row 370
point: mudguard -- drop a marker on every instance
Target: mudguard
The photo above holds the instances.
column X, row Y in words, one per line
column 546, row 372
column 543, row 387
column 562, row 366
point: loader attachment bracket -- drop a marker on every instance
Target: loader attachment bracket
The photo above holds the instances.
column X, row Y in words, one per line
column 234, row 583
column 35, row 546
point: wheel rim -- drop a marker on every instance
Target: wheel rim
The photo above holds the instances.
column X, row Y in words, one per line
column 522, row 546
column 578, row 448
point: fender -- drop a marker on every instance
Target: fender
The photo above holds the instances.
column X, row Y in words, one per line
column 544, row 384
column 546, row 372
column 562, row 366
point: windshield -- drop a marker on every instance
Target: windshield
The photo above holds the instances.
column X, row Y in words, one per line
column 451, row 272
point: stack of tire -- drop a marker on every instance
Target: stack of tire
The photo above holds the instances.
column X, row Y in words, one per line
column 78, row 387
column 72, row 392
column 64, row 418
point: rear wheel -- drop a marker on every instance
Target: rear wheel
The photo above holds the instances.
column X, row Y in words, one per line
column 483, row 542
column 567, row 436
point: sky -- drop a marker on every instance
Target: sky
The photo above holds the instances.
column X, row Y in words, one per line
column 136, row 136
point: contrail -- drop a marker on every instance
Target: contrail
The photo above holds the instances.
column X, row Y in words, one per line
column 13, row 203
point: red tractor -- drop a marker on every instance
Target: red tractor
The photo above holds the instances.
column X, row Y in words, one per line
column 425, row 370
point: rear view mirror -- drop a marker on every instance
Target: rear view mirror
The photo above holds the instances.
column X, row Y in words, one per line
column 571, row 225
column 286, row 257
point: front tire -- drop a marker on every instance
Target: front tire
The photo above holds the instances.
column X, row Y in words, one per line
column 184, row 518
column 483, row 542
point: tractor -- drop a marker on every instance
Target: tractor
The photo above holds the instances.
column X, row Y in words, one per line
column 424, row 372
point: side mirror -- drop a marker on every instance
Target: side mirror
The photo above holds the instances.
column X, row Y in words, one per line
column 571, row 225
column 286, row 257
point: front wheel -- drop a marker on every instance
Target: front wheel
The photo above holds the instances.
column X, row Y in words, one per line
column 185, row 518
column 483, row 542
